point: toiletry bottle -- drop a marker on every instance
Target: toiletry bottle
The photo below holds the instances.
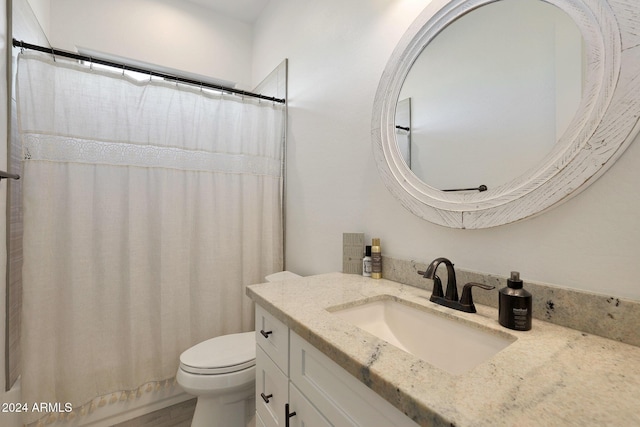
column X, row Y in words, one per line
column 376, row 259
column 366, row 262
column 514, row 305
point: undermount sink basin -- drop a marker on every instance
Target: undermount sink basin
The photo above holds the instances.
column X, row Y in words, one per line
column 449, row 344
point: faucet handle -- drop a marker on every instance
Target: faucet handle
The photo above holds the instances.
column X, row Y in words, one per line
column 436, row 291
column 437, row 288
column 466, row 301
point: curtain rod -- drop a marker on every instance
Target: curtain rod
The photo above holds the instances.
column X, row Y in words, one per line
column 7, row 175
column 123, row 66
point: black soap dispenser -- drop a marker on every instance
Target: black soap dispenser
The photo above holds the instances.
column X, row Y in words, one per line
column 514, row 305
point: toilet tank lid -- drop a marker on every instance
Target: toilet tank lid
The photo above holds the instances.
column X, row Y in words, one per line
column 281, row 275
column 221, row 352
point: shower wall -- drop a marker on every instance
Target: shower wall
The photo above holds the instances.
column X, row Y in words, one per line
column 22, row 23
column 6, row 419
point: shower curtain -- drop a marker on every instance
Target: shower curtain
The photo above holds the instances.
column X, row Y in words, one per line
column 148, row 207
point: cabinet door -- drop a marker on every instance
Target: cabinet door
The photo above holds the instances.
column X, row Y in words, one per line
column 271, row 390
column 305, row 413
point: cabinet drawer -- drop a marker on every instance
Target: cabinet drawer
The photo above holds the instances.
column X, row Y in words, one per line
column 306, row 415
column 273, row 384
column 273, row 337
column 340, row 397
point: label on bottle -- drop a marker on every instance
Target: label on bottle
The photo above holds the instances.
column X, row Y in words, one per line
column 366, row 267
column 520, row 318
column 376, row 265
column 514, row 312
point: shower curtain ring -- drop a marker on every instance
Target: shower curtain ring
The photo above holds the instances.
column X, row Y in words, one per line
column 53, row 54
column 21, row 46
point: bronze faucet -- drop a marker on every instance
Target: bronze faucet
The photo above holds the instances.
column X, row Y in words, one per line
column 450, row 298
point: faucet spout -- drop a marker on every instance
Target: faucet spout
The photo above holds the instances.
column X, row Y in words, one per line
column 451, row 293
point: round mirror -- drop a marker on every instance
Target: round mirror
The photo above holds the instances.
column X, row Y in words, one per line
column 577, row 120
column 490, row 96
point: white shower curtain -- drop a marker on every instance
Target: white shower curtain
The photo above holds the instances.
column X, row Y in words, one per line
column 148, row 206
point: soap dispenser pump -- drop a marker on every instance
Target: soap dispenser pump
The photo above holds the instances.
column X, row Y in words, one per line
column 514, row 305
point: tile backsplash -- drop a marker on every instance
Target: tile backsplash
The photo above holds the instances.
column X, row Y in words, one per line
column 610, row 317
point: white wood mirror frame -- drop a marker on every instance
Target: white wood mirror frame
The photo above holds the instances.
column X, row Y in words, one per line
column 606, row 122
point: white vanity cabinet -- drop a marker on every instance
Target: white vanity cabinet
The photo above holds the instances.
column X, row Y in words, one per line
column 316, row 389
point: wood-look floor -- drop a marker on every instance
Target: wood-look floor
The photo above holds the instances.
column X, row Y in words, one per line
column 178, row 415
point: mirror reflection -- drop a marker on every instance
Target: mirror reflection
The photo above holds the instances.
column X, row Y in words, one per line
column 491, row 95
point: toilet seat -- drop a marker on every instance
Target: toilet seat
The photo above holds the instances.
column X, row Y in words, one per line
column 220, row 355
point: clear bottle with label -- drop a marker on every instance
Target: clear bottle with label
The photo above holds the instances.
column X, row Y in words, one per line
column 514, row 305
column 376, row 259
column 366, row 262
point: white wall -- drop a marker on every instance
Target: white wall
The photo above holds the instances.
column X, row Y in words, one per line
column 337, row 51
column 172, row 33
column 40, row 9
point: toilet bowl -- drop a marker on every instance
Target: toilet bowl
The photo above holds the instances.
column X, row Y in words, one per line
column 221, row 373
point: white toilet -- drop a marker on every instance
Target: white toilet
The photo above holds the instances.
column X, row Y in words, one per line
column 221, row 372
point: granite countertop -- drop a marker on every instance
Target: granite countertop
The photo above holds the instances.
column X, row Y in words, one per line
column 549, row 375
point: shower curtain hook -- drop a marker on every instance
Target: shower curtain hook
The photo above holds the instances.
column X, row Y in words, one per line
column 91, row 63
column 53, row 54
column 122, row 70
column 21, row 46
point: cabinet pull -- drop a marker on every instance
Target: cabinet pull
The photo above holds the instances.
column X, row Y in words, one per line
column 287, row 415
column 265, row 334
column 266, row 397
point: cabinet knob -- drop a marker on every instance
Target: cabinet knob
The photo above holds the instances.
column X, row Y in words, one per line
column 266, row 397
column 287, row 415
column 265, row 334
